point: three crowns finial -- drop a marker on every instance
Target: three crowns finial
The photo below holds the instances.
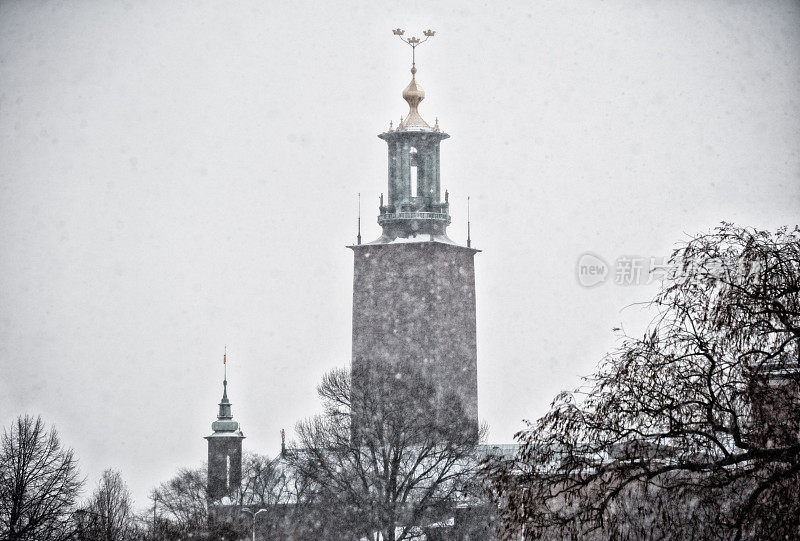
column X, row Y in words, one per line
column 413, row 41
column 413, row 92
column 427, row 33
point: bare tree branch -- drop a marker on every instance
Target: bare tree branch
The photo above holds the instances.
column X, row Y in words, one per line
column 701, row 413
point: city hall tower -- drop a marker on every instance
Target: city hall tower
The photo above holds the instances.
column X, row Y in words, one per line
column 414, row 288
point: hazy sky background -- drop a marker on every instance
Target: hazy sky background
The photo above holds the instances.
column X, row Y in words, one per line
column 177, row 176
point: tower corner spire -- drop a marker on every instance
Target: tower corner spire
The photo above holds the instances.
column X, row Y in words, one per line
column 358, row 237
column 469, row 235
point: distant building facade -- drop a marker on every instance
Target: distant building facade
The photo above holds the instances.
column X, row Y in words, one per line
column 775, row 403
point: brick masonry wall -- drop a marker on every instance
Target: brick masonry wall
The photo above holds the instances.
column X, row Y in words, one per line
column 415, row 302
column 219, row 449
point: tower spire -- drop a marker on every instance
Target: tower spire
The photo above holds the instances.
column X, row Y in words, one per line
column 413, row 205
column 225, row 373
column 225, row 416
column 224, row 448
column 359, row 218
column 469, row 240
column 413, row 93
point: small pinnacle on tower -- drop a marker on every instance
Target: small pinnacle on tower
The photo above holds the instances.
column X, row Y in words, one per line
column 469, row 240
column 359, row 218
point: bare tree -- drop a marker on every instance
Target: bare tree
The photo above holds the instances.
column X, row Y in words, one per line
column 688, row 431
column 401, row 468
column 183, row 510
column 271, row 490
column 110, row 515
column 38, row 483
column 183, row 501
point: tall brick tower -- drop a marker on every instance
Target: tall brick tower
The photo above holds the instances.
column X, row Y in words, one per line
column 414, row 288
column 224, row 450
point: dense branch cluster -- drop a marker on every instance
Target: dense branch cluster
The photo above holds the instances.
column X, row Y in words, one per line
column 109, row 514
column 38, row 483
column 400, row 467
column 690, row 430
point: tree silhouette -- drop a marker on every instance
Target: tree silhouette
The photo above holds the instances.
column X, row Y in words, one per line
column 110, row 516
column 688, row 431
column 38, row 483
column 403, row 466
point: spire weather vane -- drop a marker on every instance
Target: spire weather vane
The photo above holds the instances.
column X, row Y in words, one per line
column 225, row 366
column 413, row 41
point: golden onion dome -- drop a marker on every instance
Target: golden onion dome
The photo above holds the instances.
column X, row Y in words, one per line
column 413, row 94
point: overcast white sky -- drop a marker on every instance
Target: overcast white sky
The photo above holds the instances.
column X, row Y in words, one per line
column 177, row 176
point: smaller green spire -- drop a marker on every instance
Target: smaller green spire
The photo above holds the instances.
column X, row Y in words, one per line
column 225, row 422
column 225, row 404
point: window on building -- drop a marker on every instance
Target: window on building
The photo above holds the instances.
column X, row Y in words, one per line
column 413, row 175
